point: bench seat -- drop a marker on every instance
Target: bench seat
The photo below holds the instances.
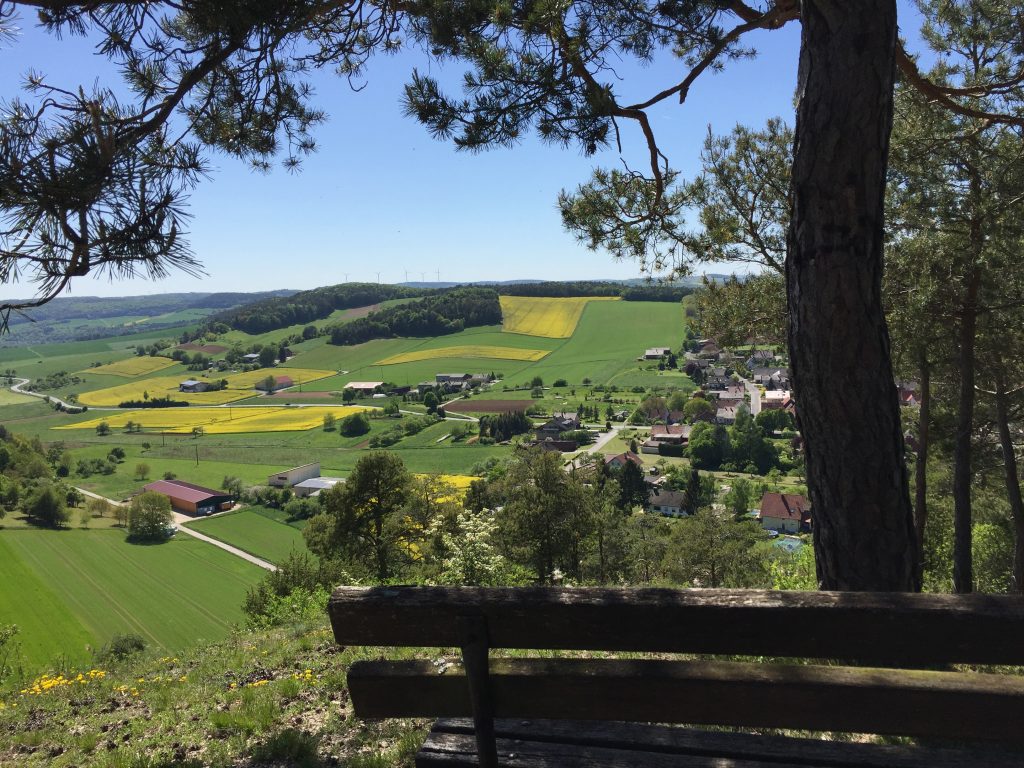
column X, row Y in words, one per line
column 586, row 744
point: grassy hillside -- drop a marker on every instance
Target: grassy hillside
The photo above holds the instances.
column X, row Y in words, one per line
column 89, row 585
column 267, row 698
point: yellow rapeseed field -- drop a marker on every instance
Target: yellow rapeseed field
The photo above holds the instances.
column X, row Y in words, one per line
column 220, row 421
column 553, row 318
column 469, row 350
column 240, row 387
column 133, row 366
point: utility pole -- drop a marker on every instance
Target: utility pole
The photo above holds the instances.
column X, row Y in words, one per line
column 378, row 278
column 197, row 454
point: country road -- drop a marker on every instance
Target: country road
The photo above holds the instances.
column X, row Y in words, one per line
column 22, row 382
column 180, row 520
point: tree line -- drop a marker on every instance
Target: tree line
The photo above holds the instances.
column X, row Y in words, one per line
column 305, row 306
column 433, row 315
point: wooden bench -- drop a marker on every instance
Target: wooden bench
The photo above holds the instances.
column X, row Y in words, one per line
column 870, row 650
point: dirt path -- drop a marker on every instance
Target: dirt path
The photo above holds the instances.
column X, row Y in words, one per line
column 181, row 521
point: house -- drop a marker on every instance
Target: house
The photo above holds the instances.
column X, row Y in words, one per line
column 620, row 460
column 364, row 388
column 656, row 353
column 760, row 358
column 667, row 502
column 192, row 499
column 784, row 512
column 672, row 434
column 191, row 385
column 314, row 485
column 774, row 399
column 708, row 348
column 718, row 382
column 279, row 382
column 295, row 475
column 650, row 446
column 559, row 423
column 251, row 358
column 728, row 402
column 731, row 392
column 457, row 379
column 726, row 415
column 771, row 378
column 551, row 444
column 478, row 379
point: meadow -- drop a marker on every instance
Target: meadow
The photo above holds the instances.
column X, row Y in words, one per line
column 467, row 351
column 132, row 366
column 255, row 533
column 239, row 387
column 71, row 591
column 220, row 421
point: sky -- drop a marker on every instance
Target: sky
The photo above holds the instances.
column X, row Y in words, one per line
column 382, row 200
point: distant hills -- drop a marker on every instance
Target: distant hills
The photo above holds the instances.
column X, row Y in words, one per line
column 75, row 318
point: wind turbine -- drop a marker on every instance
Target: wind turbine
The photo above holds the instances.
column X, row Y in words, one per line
column 378, row 278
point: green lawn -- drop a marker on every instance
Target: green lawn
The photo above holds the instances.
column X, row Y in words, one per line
column 97, row 584
column 254, row 533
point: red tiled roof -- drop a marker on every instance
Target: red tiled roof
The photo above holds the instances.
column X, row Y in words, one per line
column 784, row 506
column 179, row 489
column 624, row 457
column 671, row 429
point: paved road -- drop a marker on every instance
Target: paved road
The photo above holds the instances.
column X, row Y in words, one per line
column 180, row 520
column 22, row 382
column 755, row 396
column 603, row 440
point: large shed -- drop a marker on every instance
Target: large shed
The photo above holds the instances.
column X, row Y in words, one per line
column 192, row 499
column 295, row 475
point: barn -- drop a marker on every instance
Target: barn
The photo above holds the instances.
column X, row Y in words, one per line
column 192, row 499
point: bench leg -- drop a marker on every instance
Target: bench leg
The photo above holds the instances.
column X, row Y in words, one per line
column 475, row 653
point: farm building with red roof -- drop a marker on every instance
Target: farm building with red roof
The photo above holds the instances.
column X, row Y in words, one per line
column 192, row 499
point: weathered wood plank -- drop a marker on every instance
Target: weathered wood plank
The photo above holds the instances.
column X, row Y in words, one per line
column 451, row 750
column 911, row 703
column 878, row 628
column 677, row 740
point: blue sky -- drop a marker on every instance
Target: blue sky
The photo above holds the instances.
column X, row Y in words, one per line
column 381, row 195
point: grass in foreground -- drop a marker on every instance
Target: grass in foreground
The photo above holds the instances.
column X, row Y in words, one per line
column 259, row 698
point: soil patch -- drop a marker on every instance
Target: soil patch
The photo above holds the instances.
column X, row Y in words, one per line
column 209, row 349
column 487, row 406
column 294, row 394
column 357, row 312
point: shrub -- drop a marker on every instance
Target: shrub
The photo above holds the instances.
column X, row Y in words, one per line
column 121, row 647
column 560, row 383
column 355, row 425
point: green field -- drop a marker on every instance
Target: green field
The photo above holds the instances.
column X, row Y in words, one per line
column 70, row 591
column 255, row 533
column 7, row 397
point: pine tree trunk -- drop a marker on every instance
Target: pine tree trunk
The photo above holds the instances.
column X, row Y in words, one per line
column 1013, row 492
column 963, row 570
column 846, row 398
column 921, row 467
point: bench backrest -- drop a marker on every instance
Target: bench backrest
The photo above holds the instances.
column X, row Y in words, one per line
column 880, row 629
column 885, row 629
